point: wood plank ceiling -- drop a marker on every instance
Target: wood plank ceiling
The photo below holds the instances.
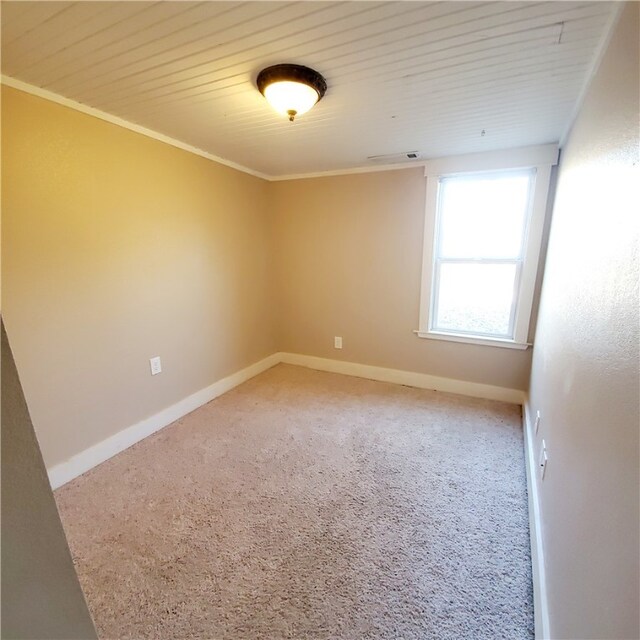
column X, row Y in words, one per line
column 402, row 76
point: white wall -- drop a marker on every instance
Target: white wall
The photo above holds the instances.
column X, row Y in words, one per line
column 585, row 376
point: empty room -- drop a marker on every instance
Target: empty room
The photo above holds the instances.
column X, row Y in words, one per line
column 320, row 320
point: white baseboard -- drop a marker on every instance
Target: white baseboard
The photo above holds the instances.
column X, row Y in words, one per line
column 409, row 378
column 77, row 465
column 540, row 602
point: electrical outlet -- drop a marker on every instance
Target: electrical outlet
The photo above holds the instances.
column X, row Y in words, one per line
column 543, row 460
column 156, row 365
column 337, row 342
column 537, row 424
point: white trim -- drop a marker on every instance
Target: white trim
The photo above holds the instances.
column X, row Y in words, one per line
column 408, row 378
column 595, row 65
column 531, row 252
column 121, row 122
column 456, row 337
column 544, row 151
column 538, row 160
column 540, row 601
column 428, row 250
column 96, row 113
column 77, row 465
column 520, row 158
column 347, row 172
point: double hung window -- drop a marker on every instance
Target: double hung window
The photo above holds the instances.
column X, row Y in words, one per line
column 483, row 230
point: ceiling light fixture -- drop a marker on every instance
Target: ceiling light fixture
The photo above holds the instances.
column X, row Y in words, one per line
column 291, row 89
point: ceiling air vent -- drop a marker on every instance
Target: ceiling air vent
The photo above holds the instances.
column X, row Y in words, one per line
column 390, row 158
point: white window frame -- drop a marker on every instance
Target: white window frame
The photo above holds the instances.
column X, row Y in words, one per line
column 539, row 160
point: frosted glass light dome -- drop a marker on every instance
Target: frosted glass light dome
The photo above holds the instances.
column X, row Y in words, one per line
column 291, row 98
column 291, row 89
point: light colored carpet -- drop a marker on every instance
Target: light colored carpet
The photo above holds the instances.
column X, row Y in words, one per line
column 305, row 504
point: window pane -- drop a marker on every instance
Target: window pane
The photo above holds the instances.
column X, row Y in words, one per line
column 475, row 298
column 483, row 216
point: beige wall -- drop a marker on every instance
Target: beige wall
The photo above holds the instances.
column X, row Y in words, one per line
column 585, row 366
column 116, row 248
column 348, row 263
column 41, row 595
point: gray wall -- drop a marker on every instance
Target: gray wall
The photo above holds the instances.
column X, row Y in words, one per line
column 41, row 595
column 584, row 377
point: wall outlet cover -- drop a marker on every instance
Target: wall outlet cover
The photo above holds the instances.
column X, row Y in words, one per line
column 156, row 365
column 542, row 462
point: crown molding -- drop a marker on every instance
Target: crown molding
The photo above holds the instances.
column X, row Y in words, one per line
column 347, row 172
column 121, row 122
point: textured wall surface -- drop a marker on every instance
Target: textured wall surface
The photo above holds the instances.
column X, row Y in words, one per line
column 117, row 248
column 41, row 595
column 349, row 263
column 585, row 366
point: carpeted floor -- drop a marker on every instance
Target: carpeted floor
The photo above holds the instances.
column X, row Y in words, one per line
column 305, row 504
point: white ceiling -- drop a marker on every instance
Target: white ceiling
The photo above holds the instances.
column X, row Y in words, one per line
column 402, row 76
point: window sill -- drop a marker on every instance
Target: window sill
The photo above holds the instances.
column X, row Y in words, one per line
column 489, row 342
